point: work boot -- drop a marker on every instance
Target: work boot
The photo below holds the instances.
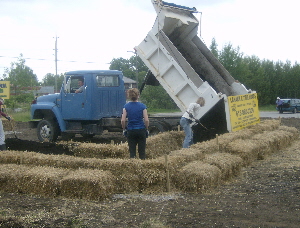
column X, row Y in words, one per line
column 3, row 147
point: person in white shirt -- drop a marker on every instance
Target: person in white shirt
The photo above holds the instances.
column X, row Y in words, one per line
column 188, row 118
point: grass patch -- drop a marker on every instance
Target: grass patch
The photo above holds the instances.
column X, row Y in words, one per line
column 267, row 108
column 153, row 110
column 20, row 116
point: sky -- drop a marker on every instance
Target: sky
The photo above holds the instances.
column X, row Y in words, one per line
column 91, row 33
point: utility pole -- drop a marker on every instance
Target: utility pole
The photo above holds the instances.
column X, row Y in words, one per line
column 55, row 77
column 136, row 68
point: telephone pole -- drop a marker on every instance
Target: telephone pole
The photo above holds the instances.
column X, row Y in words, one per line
column 55, row 77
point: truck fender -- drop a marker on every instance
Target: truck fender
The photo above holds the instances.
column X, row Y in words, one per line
column 60, row 120
column 56, row 113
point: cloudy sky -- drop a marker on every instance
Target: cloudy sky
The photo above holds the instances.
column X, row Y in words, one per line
column 93, row 32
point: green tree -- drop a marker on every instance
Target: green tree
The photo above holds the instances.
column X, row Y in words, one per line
column 49, row 80
column 21, row 77
column 214, row 48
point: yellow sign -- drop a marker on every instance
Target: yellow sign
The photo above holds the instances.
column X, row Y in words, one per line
column 243, row 111
column 5, row 89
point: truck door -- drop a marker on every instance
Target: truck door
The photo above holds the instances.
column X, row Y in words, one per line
column 74, row 98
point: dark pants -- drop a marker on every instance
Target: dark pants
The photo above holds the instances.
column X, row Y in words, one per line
column 137, row 137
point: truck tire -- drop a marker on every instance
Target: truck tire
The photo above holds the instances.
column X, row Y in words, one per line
column 156, row 127
column 47, row 131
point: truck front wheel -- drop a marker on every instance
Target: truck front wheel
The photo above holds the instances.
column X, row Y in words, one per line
column 47, row 131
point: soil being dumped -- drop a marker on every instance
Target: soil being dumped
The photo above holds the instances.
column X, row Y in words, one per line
column 265, row 194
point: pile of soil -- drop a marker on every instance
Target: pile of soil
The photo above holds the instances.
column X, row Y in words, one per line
column 265, row 194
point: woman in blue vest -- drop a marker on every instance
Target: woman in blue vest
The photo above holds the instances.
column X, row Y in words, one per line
column 138, row 123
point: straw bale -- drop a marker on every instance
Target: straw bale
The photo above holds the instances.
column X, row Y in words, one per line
column 8, row 125
column 188, row 154
column 229, row 164
column 224, row 139
column 266, row 125
column 272, row 141
column 163, row 143
column 293, row 130
column 197, row 176
column 42, row 180
column 10, row 175
column 93, row 150
column 206, row 147
column 247, row 149
column 88, row 184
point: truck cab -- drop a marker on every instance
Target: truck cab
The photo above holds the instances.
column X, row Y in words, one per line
column 96, row 106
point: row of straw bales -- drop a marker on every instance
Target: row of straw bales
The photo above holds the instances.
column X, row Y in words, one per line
column 157, row 145
column 94, row 176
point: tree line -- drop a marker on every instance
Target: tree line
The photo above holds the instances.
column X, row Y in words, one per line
column 268, row 78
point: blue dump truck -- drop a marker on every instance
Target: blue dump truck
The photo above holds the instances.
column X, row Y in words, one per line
column 88, row 111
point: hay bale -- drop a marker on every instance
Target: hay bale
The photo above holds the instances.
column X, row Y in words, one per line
column 25, row 179
column 188, row 154
column 232, row 136
column 197, row 176
column 207, row 147
column 266, row 125
column 230, row 165
column 10, row 175
column 88, row 184
column 272, row 141
column 42, row 180
column 163, row 143
column 247, row 149
column 8, row 125
column 93, row 150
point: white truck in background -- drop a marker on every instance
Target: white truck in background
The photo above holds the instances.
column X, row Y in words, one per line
column 186, row 68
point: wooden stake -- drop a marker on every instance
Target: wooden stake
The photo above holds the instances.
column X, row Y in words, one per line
column 178, row 127
column 167, row 172
column 218, row 145
column 112, row 142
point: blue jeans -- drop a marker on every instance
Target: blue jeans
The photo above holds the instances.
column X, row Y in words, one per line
column 188, row 140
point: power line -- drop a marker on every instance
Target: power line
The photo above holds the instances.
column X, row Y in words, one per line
column 71, row 61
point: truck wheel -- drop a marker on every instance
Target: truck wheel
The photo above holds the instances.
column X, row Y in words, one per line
column 156, row 127
column 47, row 131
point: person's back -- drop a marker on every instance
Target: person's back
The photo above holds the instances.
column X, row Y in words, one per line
column 138, row 123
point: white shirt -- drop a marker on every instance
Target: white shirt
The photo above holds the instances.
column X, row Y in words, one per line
column 194, row 109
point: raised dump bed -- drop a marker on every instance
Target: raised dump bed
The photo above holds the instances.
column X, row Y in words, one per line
column 185, row 67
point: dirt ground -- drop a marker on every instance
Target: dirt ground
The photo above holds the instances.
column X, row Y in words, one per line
column 265, row 194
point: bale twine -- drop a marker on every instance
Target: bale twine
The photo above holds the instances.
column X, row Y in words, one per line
column 88, row 184
column 197, row 176
column 230, row 165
